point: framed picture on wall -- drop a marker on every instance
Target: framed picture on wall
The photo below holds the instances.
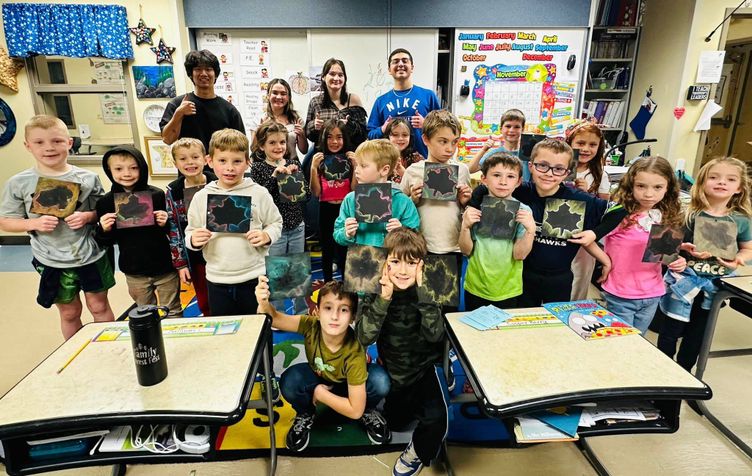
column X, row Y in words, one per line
column 159, row 158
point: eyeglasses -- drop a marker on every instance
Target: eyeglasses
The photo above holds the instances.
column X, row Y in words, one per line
column 543, row 168
column 400, row 60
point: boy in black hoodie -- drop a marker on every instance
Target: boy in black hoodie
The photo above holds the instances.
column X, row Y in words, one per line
column 144, row 250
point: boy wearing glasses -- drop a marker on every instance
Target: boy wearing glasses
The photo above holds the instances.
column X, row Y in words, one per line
column 405, row 100
column 547, row 270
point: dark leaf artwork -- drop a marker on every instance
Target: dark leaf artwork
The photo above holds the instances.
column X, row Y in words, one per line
column 134, row 209
column 440, row 283
column 440, row 181
column 336, row 167
column 292, row 187
column 373, row 202
column 663, row 244
column 363, row 269
column 563, row 218
column 54, row 197
column 289, row 276
column 188, row 195
column 717, row 236
column 228, row 213
column 570, row 179
column 497, row 218
column 527, row 142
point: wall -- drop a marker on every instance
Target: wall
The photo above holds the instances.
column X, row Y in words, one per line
column 168, row 14
column 673, row 38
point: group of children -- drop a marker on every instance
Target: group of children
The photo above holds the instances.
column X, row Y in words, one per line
column 228, row 272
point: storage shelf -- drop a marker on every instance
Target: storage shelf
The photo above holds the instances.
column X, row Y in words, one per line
column 609, row 91
column 610, row 60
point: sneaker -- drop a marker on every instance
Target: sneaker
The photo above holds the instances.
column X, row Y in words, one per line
column 275, row 389
column 408, row 463
column 376, row 427
column 451, row 382
column 300, row 432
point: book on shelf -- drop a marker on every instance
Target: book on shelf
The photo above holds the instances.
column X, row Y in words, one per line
column 618, row 12
column 532, row 430
column 607, row 112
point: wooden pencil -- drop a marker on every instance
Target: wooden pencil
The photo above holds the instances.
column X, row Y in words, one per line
column 73, row 356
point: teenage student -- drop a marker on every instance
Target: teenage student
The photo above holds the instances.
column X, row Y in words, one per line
column 202, row 112
column 336, row 373
column 720, row 193
column 336, row 103
column 587, row 137
column 494, row 268
column 279, row 109
column 190, row 160
column 375, row 162
column 332, row 179
column 145, row 255
column 410, row 337
column 404, row 100
column 64, row 251
column 547, row 270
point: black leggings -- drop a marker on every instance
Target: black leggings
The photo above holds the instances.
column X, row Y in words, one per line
column 473, row 302
column 693, row 333
column 331, row 251
column 541, row 287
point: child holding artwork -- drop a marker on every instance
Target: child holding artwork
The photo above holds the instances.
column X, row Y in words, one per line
column 547, row 270
column 145, row 255
column 375, row 161
column 587, row 137
column 401, row 134
column 494, row 268
column 234, row 261
column 270, row 161
column 648, row 194
column 331, row 180
column 64, row 251
column 190, row 158
column 511, row 126
column 721, row 194
column 410, row 337
column 336, row 373
column 440, row 220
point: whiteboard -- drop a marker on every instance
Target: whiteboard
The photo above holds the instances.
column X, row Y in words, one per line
column 304, row 51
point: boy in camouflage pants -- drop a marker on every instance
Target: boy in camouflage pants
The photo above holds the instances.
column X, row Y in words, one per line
column 409, row 336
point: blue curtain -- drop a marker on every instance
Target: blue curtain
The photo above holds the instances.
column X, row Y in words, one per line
column 78, row 31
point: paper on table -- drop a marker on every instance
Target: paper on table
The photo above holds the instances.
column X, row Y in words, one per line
column 703, row 123
column 486, row 317
column 710, row 66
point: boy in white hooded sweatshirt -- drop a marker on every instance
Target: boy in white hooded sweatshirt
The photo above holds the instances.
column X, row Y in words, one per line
column 234, row 261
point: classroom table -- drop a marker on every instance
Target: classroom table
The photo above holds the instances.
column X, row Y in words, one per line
column 521, row 370
column 212, row 365
column 730, row 288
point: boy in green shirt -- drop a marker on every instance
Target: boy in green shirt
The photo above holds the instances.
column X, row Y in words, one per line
column 494, row 268
column 336, row 373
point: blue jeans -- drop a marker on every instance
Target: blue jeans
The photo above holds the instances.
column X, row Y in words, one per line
column 291, row 241
column 635, row 312
column 298, row 383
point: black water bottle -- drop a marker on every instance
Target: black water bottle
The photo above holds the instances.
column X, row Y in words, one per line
column 148, row 345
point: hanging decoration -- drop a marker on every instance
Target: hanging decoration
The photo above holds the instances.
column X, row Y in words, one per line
column 142, row 32
column 163, row 52
column 9, row 68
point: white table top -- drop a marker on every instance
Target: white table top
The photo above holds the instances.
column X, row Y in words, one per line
column 206, row 375
column 739, row 283
column 519, row 365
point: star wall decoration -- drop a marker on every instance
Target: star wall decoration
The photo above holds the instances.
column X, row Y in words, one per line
column 142, row 32
column 163, row 52
column 9, row 68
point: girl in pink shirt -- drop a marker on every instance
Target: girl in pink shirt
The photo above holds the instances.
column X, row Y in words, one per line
column 648, row 194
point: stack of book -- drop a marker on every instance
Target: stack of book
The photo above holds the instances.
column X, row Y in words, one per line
column 608, row 112
column 618, row 12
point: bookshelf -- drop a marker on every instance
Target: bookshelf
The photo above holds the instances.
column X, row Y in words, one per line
column 610, row 75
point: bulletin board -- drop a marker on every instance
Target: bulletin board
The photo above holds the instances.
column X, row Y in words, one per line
column 297, row 55
column 528, row 69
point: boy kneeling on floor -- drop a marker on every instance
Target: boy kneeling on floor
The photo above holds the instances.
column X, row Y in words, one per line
column 336, row 374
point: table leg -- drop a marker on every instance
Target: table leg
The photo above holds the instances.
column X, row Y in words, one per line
column 119, row 469
column 268, row 362
column 702, row 361
column 587, row 450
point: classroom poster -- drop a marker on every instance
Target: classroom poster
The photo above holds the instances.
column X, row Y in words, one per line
column 535, row 70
